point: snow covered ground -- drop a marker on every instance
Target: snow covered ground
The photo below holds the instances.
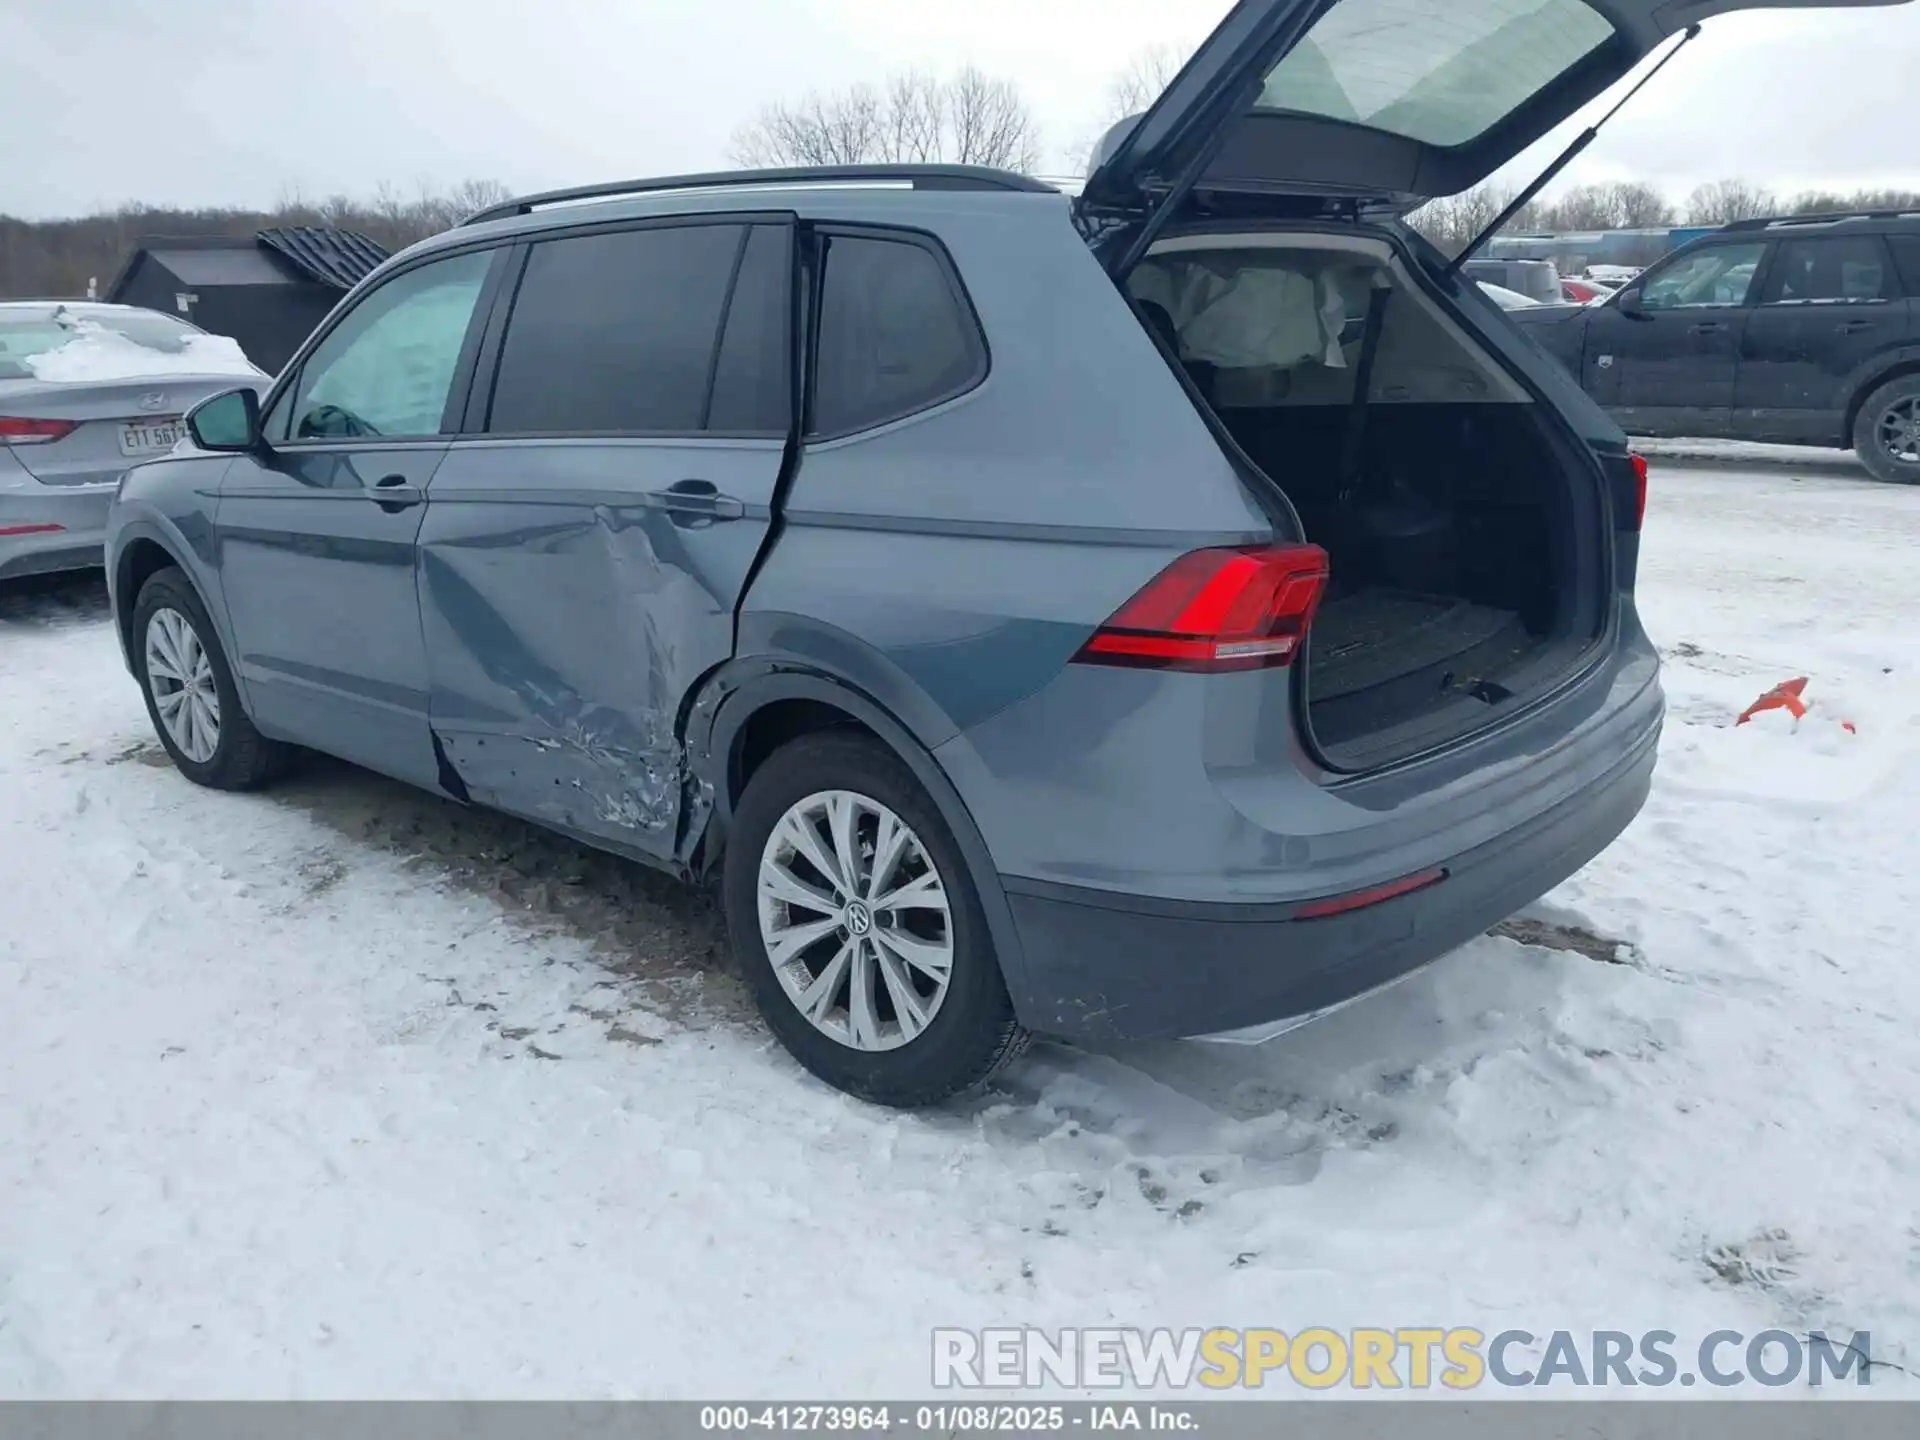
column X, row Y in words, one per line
column 337, row 1091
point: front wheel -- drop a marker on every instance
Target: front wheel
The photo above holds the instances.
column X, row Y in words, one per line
column 1886, row 434
column 190, row 692
column 858, row 927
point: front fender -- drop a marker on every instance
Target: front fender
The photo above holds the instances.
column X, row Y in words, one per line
column 171, row 505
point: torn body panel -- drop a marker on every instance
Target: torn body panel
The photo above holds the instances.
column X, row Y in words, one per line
column 569, row 610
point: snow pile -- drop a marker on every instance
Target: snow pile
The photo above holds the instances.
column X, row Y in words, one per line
column 99, row 353
column 331, row 1091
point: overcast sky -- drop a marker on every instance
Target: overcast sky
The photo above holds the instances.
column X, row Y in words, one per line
column 243, row 102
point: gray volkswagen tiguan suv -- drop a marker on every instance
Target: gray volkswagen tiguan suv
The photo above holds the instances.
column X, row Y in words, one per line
column 1173, row 611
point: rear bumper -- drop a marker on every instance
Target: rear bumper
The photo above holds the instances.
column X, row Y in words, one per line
column 29, row 547
column 1105, row 967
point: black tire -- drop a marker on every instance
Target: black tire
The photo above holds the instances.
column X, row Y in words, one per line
column 973, row 1033
column 242, row 758
column 1869, row 440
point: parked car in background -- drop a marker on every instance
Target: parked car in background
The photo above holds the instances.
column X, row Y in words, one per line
column 1507, row 299
column 1610, row 276
column 1801, row 330
column 1581, row 292
column 1066, row 620
column 86, row 391
column 1538, row 280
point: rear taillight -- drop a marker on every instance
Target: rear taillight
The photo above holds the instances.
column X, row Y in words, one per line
column 1217, row 610
column 19, row 430
column 1639, row 463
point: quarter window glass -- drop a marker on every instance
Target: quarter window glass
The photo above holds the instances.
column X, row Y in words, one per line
column 388, row 367
column 752, row 387
column 1830, row 272
column 1720, row 276
column 1906, row 257
column 615, row 333
column 894, row 335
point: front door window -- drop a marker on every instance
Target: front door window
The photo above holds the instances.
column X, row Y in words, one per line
column 387, row 369
column 1722, row 275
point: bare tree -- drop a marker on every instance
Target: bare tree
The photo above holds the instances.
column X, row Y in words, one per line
column 1640, row 206
column 969, row 118
column 1721, row 202
column 1130, row 93
column 914, row 118
column 1135, row 88
column 1818, row 202
column 1452, row 221
column 1585, row 207
column 988, row 123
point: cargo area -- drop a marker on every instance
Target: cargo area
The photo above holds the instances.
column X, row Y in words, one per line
column 1463, row 576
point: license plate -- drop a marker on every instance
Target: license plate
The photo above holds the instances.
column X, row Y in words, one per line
column 151, row 437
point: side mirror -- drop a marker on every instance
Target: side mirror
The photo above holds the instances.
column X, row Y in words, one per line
column 228, row 421
column 1628, row 303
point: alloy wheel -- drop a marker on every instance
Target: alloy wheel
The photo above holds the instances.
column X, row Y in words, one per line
column 180, row 675
column 1899, row 431
column 855, row 920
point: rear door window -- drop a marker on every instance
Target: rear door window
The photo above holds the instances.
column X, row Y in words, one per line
column 753, row 376
column 1845, row 270
column 895, row 334
column 1718, row 275
column 616, row 333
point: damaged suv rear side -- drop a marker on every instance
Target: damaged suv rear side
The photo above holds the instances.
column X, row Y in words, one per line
column 1173, row 612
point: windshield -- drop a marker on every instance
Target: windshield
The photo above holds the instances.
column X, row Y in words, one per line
column 80, row 342
column 1442, row 72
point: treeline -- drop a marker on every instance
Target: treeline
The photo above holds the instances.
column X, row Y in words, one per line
column 1635, row 205
column 969, row 117
column 58, row 258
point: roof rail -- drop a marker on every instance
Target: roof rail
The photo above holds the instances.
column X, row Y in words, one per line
column 1767, row 222
column 919, row 177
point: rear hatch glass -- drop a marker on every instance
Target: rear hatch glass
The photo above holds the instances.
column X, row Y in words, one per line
column 1387, row 100
column 1442, row 72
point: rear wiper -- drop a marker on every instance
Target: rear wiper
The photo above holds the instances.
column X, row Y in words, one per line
column 1566, row 158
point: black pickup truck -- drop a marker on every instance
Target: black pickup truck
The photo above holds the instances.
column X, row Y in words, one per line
column 1804, row 331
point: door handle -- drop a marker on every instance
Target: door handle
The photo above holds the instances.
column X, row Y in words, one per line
column 1707, row 327
column 1854, row 327
column 393, row 493
column 694, row 501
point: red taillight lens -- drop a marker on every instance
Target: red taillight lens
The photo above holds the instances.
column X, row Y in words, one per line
column 19, row 430
column 1217, row 610
column 1640, row 489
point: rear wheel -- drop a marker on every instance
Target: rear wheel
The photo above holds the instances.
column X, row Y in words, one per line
column 858, row 927
column 190, row 692
column 1886, row 434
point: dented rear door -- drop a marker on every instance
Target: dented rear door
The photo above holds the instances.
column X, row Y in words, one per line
column 589, row 537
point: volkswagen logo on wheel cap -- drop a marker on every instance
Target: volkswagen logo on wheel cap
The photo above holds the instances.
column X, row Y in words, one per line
column 859, row 919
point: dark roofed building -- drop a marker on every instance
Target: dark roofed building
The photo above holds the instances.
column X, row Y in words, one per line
column 266, row 290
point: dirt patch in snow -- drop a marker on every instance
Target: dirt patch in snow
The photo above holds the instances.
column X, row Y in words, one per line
column 1578, row 939
column 667, row 938
column 1766, row 1260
